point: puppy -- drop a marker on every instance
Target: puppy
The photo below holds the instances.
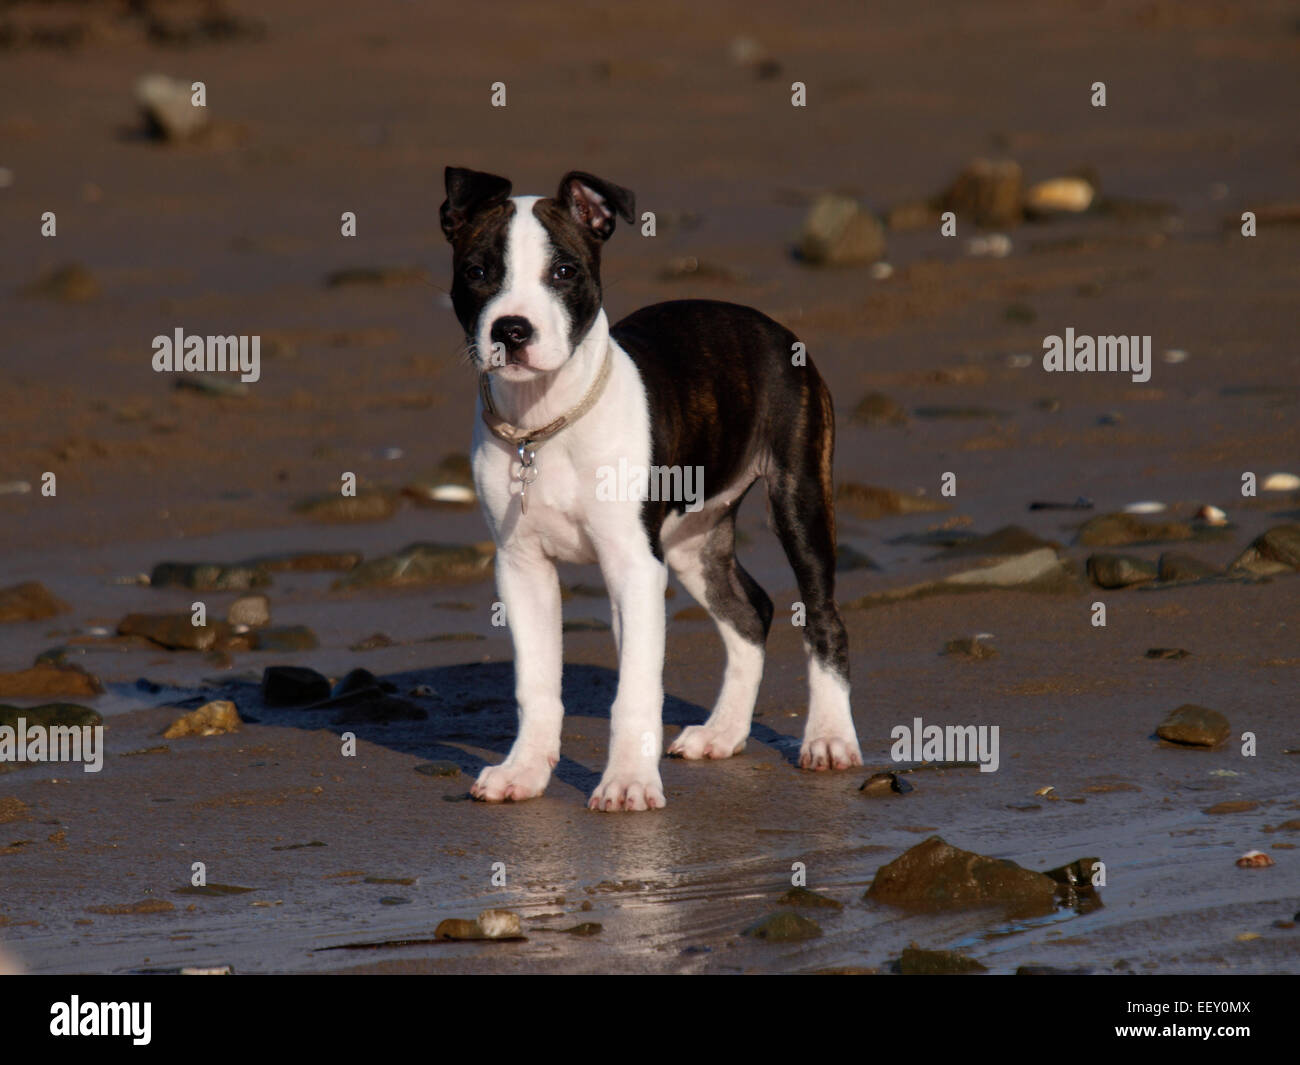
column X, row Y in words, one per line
column 564, row 398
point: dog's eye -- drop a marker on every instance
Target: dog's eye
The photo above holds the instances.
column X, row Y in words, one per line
column 564, row 272
column 475, row 273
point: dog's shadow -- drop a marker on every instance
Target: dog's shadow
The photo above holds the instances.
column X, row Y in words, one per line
column 468, row 705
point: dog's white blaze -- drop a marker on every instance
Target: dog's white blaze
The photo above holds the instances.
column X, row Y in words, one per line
column 524, row 292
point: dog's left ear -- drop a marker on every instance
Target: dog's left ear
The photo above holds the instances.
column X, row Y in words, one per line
column 594, row 202
column 468, row 192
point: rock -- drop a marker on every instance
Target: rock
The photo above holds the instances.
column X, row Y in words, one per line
column 1120, row 571
column 869, row 502
column 1176, row 567
column 916, row 214
column 499, row 924
column 293, row 686
column 936, row 875
column 1254, row 860
column 917, row 962
column 51, row 715
column 1236, row 806
column 438, row 769
column 1277, row 551
column 285, row 639
column 213, row 719
column 1076, row 874
column 422, row 563
column 457, row 928
column 168, row 108
column 1037, row 571
column 876, row 408
column 838, row 231
column 1116, row 530
column 587, row 928
column 886, row 783
column 801, row 896
column 1063, row 195
column 849, row 558
column 1194, row 726
column 1280, row 482
column 176, row 632
column 1211, row 515
column 334, row 507
column 359, row 681
column 307, row 561
column 71, row 283
column 29, row 601
column 971, row 647
column 784, row 927
column 251, row 610
column 1008, row 540
column 988, row 193
column 47, row 680
column 207, row 576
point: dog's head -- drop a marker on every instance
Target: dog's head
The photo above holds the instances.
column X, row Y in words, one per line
column 526, row 271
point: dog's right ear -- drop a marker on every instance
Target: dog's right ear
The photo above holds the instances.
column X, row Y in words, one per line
column 468, row 192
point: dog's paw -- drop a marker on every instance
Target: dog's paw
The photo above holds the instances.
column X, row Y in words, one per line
column 511, row 782
column 707, row 741
column 830, row 752
column 635, row 789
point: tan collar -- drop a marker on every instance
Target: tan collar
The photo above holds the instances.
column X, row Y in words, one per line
column 531, row 438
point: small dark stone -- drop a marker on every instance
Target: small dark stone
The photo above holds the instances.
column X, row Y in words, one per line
column 971, row 647
column 879, row 784
column 936, row 875
column 1194, row 726
column 784, row 927
column 917, row 962
column 801, row 896
column 587, row 928
column 1176, row 567
column 1120, row 571
column 1276, row 551
column 207, row 576
column 293, row 686
column 1116, row 530
column 29, row 601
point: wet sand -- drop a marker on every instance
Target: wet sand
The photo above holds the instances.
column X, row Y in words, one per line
column 329, row 113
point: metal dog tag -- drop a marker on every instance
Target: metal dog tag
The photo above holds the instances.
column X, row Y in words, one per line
column 527, row 473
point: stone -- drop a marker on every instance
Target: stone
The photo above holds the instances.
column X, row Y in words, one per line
column 838, row 231
column 1176, row 567
column 285, row 639
column 784, row 927
column 293, row 686
column 886, row 784
column 338, row 508
column 47, row 680
column 870, row 502
column 251, row 610
column 422, row 563
column 988, row 193
column 586, row 928
column 1194, row 726
column 1036, row 571
column 50, row 715
column 936, row 875
column 499, row 924
column 207, row 576
column 971, row 647
column 1008, row 540
column 307, row 561
column 176, row 632
column 917, row 962
column 212, row 719
column 1120, row 571
column 1234, row 806
column 29, row 601
column 1062, row 195
column 1276, row 551
column 801, row 896
column 168, row 107
column 876, row 408
column 1117, row 530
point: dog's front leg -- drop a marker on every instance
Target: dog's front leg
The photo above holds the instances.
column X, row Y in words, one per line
column 636, row 585
column 530, row 589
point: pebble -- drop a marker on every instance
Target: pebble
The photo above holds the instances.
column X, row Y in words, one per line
column 208, row 576
column 801, row 896
column 1194, row 726
column 917, row 962
column 586, row 928
column 991, row 246
column 971, row 647
column 936, row 875
column 870, row 502
column 886, row 784
column 1020, row 361
column 1070, row 195
column 48, row 680
column 10, row 488
column 838, row 231
column 1176, row 567
column 251, row 610
column 421, row 563
column 213, row 719
column 881, row 271
column 1276, row 551
column 169, row 112
column 293, row 686
column 1280, row 482
column 51, row 714
column 1211, row 515
column 987, row 192
column 175, row 632
column 1114, row 530
column 29, row 601
column 1174, row 356
column 336, row 508
column 1145, row 507
column 784, row 927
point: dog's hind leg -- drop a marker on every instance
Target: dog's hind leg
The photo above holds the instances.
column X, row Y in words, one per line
column 803, row 512
column 701, row 551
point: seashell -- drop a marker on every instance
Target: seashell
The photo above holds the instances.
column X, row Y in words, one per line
column 1254, row 860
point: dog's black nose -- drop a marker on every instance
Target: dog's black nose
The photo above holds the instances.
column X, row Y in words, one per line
column 512, row 331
